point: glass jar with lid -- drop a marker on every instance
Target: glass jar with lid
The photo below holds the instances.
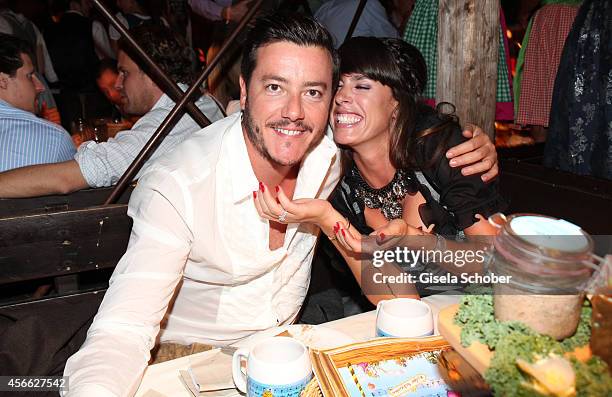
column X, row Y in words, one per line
column 549, row 262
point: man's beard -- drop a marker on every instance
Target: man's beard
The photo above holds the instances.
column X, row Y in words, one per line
column 255, row 137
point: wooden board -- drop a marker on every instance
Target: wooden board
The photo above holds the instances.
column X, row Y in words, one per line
column 11, row 208
column 468, row 41
column 477, row 354
column 62, row 243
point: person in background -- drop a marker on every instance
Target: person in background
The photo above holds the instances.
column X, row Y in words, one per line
column 106, row 78
column 538, row 61
column 24, row 138
column 14, row 23
column 71, row 46
column 132, row 13
column 580, row 126
column 102, row 164
column 220, row 10
column 84, row 8
column 337, row 15
column 399, row 12
column 221, row 18
column 72, row 49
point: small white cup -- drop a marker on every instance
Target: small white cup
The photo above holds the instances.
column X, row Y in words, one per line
column 278, row 366
column 404, row 318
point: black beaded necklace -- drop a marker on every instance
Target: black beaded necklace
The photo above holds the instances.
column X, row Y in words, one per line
column 388, row 198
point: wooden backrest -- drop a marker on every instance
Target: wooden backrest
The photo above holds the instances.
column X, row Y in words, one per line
column 582, row 200
column 59, row 243
column 57, row 239
column 46, row 204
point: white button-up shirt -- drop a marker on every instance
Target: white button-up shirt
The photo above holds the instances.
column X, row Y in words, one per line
column 196, row 226
column 102, row 164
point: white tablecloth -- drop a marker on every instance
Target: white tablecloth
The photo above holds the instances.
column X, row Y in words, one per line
column 163, row 379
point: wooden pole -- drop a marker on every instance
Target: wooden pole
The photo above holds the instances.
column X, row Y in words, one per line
column 468, row 44
column 355, row 19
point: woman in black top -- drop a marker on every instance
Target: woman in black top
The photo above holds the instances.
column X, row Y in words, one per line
column 396, row 180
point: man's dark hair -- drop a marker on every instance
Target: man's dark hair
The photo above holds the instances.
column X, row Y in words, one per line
column 293, row 28
column 11, row 48
column 166, row 49
column 106, row 64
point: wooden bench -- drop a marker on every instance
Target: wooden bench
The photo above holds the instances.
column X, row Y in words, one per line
column 60, row 238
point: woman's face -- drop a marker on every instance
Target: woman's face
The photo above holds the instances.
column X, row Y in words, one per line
column 363, row 111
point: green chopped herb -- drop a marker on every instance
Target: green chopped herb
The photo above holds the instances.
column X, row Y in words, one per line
column 511, row 340
column 592, row 378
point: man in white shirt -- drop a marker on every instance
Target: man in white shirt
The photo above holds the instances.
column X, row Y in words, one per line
column 102, row 164
column 200, row 259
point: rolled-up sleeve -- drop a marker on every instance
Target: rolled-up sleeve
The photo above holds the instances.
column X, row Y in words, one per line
column 115, row 354
column 102, row 164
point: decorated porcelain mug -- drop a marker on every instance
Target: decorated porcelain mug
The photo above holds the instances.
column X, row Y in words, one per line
column 278, row 366
column 404, row 318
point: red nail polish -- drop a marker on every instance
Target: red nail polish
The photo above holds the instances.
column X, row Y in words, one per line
column 382, row 236
column 277, row 189
column 335, row 229
column 262, row 187
column 254, row 195
column 343, row 234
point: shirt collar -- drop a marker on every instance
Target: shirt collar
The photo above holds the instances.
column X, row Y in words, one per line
column 15, row 109
column 312, row 172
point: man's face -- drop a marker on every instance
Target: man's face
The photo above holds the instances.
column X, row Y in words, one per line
column 137, row 90
column 286, row 104
column 106, row 84
column 22, row 89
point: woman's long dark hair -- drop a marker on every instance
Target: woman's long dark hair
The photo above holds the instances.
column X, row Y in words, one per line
column 401, row 67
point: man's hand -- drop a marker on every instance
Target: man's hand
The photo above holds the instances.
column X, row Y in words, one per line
column 476, row 155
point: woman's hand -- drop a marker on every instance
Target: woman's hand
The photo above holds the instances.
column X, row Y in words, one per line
column 284, row 210
column 351, row 240
column 396, row 227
